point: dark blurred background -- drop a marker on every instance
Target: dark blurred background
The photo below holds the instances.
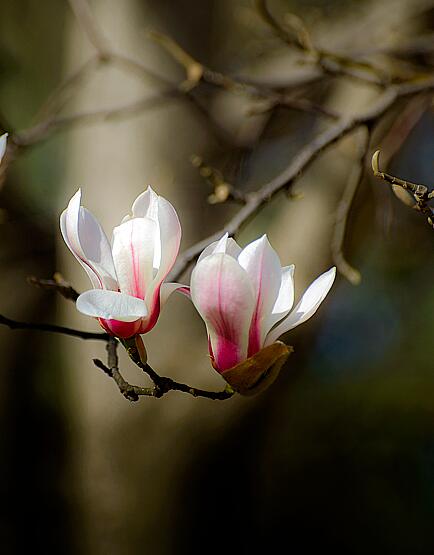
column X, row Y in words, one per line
column 339, row 453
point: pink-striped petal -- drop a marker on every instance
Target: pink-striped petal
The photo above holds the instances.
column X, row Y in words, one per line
column 223, row 295
column 157, row 300
column 133, row 255
column 306, row 307
column 262, row 265
column 88, row 243
column 111, row 305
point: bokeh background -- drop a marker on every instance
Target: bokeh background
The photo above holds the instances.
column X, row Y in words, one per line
column 339, row 453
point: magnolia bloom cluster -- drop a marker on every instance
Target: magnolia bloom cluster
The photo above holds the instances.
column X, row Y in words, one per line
column 244, row 295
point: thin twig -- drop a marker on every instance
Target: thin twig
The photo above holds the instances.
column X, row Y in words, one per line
column 222, row 190
column 15, row 325
column 421, row 194
column 196, row 72
column 301, row 104
column 60, row 95
column 45, row 128
column 91, row 29
column 329, row 62
column 57, row 284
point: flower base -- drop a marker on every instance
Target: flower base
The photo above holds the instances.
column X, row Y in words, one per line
column 259, row 371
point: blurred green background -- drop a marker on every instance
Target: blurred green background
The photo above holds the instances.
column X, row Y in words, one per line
column 339, row 453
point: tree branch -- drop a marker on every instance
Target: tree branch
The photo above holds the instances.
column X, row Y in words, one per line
column 256, row 200
column 15, row 325
column 57, row 284
column 162, row 384
column 329, row 62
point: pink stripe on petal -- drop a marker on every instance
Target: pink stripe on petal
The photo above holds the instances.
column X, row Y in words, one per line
column 228, row 354
column 222, row 293
column 133, row 254
column 262, row 265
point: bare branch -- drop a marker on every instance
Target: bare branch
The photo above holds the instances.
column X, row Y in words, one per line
column 342, row 214
column 271, row 98
column 162, row 385
column 256, row 200
column 61, row 94
column 14, row 325
column 44, row 129
column 57, row 284
column 329, row 62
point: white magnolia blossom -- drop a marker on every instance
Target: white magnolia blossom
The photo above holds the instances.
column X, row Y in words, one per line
column 245, row 298
column 127, row 276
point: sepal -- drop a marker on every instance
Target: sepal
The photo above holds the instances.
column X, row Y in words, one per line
column 259, row 371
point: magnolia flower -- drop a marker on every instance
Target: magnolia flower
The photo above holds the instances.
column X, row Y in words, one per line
column 3, row 140
column 127, row 277
column 245, row 299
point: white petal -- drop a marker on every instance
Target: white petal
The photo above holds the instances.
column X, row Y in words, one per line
column 285, row 298
column 133, row 254
column 223, row 295
column 306, row 307
column 3, row 141
column 226, row 244
column 111, row 305
column 87, row 241
column 170, row 239
column 146, row 205
column 262, row 264
column 151, row 205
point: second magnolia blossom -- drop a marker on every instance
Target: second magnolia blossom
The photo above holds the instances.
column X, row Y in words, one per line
column 127, row 276
column 245, row 298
